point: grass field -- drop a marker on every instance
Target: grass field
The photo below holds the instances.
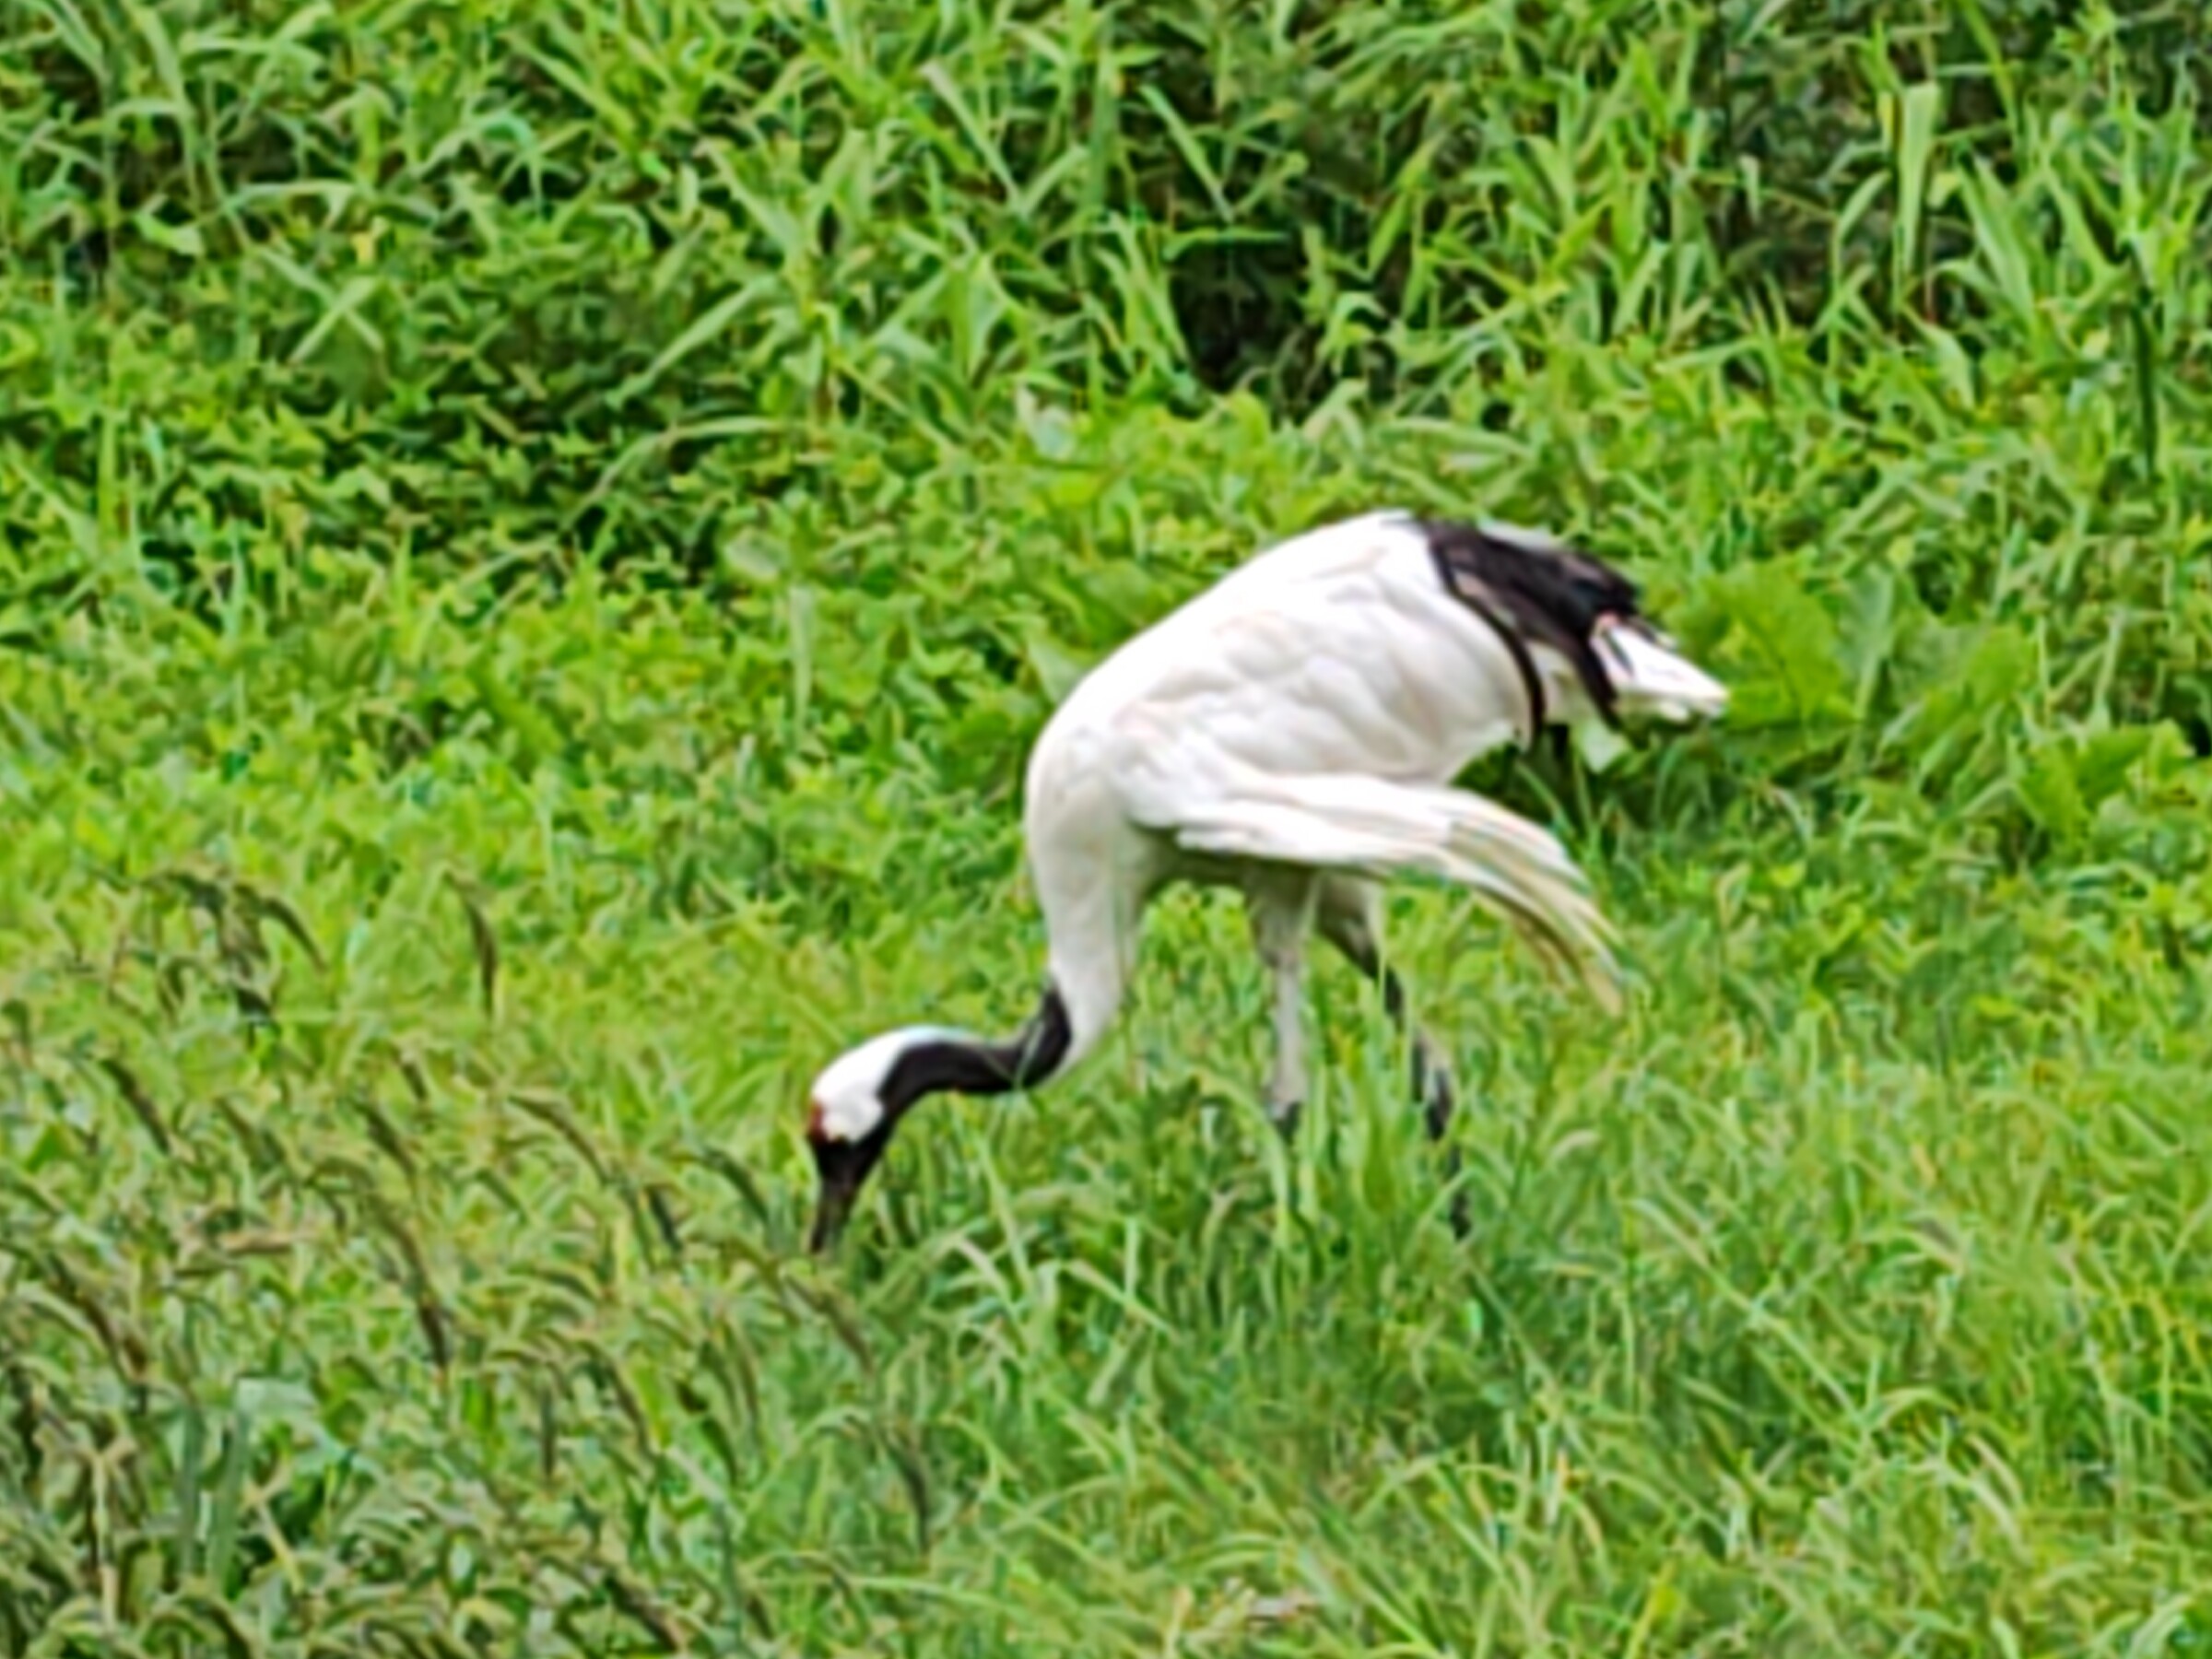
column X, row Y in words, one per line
column 533, row 539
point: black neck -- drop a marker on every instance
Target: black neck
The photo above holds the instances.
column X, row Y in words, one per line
column 961, row 1067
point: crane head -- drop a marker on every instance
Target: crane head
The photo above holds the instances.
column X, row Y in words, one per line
column 841, row 1167
column 853, row 1106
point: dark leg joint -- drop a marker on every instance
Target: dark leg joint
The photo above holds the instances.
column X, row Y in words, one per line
column 1432, row 1087
column 1285, row 1118
column 1431, row 1084
column 1393, row 993
column 1462, row 1224
column 1437, row 1112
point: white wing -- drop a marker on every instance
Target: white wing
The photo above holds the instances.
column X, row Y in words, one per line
column 1310, row 708
column 1336, row 652
column 1518, row 870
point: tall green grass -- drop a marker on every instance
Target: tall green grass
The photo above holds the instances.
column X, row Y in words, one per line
column 533, row 540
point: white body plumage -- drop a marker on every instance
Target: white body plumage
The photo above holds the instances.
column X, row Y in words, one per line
column 1292, row 731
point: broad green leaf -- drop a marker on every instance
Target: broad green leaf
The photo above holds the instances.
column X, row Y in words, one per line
column 1057, row 668
column 1785, row 646
column 1982, row 684
column 2103, row 760
column 2050, row 792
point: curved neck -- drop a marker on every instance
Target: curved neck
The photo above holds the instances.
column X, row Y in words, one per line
column 971, row 1066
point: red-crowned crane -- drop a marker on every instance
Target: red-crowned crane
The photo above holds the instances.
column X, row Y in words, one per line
column 1292, row 732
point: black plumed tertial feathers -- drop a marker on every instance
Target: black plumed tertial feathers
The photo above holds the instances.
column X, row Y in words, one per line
column 1534, row 591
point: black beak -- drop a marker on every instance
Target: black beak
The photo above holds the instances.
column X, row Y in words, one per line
column 841, row 1167
column 832, row 1206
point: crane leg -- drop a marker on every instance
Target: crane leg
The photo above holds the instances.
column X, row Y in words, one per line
column 1281, row 916
column 1348, row 913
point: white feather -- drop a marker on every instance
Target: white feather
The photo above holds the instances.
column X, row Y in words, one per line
column 1266, row 719
column 1299, row 721
column 1657, row 680
column 1370, row 828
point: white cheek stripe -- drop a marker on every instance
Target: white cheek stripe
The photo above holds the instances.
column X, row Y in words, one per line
column 848, row 1116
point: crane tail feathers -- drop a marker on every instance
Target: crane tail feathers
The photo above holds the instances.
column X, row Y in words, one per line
column 1516, row 869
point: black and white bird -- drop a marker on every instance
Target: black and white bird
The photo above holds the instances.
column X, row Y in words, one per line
column 1292, row 732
